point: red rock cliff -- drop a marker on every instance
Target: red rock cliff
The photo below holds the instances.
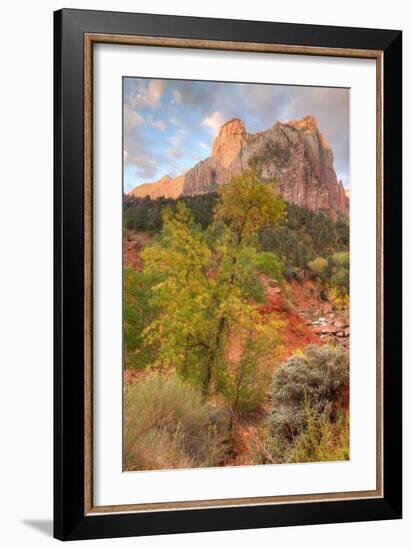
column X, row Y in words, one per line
column 297, row 154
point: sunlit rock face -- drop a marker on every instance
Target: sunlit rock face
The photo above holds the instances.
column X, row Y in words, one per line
column 229, row 142
column 296, row 154
column 164, row 187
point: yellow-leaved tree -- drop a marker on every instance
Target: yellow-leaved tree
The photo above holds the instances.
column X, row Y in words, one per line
column 209, row 286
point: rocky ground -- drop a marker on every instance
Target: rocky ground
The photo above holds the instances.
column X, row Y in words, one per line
column 327, row 321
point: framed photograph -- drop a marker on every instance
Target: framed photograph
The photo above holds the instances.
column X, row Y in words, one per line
column 227, row 274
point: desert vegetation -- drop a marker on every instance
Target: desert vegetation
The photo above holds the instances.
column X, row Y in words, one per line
column 235, row 330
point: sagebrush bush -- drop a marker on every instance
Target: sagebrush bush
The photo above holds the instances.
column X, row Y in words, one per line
column 320, row 376
column 167, row 424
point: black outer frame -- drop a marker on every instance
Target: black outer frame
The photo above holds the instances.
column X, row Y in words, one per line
column 70, row 522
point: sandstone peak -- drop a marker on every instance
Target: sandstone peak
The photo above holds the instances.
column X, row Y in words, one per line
column 233, row 125
column 229, row 141
column 308, row 123
column 296, row 154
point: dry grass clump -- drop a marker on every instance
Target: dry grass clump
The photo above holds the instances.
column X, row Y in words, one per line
column 167, row 424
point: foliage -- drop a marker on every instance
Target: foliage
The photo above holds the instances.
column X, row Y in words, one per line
column 206, row 283
column 145, row 214
column 340, row 275
column 303, row 235
column 341, row 259
column 321, row 375
column 269, row 264
column 297, row 237
column 318, row 266
column 309, row 422
column 246, row 205
column 247, row 384
column 181, row 258
column 193, row 316
column 322, row 440
column 168, row 425
column 338, row 298
column 138, row 312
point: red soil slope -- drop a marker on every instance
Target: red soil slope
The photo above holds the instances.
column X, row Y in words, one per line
column 297, row 334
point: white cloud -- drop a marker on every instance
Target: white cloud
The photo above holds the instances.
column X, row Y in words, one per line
column 155, row 92
column 146, row 167
column 214, row 122
column 179, row 122
column 132, row 119
column 175, row 152
column 159, row 124
column 177, row 138
column 147, row 95
column 177, row 96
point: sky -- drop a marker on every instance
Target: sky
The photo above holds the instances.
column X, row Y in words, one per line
column 169, row 125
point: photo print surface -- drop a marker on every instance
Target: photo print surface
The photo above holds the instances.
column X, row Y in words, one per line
column 235, row 274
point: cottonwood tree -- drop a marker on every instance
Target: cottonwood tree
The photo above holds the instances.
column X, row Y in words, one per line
column 209, row 282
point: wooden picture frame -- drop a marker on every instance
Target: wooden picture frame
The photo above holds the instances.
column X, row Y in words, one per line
column 76, row 33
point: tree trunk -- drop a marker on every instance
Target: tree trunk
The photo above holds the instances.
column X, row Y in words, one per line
column 213, row 355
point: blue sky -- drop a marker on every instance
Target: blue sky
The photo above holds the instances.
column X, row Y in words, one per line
column 169, row 125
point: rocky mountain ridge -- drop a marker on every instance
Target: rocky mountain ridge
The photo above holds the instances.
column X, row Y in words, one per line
column 295, row 153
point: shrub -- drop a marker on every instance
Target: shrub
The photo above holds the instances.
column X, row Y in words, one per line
column 138, row 312
column 321, row 376
column 341, row 259
column 269, row 264
column 168, row 425
column 305, row 235
column 322, row 440
column 338, row 298
column 341, row 279
column 318, row 266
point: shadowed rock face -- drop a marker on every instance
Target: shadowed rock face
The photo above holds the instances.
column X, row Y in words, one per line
column 297, row 154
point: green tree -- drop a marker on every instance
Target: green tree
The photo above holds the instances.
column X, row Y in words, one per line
column 138, row 312
column 341, row 259
column 340, row 277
